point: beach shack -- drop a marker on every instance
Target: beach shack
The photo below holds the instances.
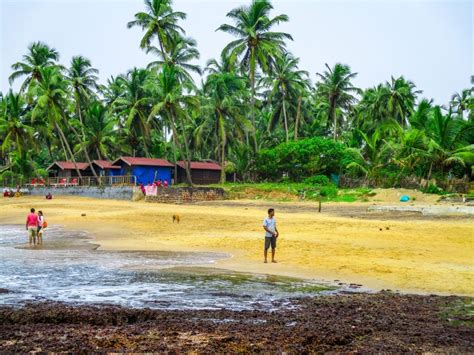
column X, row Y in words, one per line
column 105, row 168
column 202, row 173
column 146, row 170
column 66, row 169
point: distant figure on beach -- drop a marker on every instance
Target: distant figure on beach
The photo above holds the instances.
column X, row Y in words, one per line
column 49, row 196
column 271, row 234
column 6, row 193
column 41, row 226
column 32, row 226
column 165, row 183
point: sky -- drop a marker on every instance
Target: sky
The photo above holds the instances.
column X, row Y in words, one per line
column 429, row 42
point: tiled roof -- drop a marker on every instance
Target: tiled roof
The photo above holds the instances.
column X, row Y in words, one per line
column 68, row 165
column 144, row 161
column 105, row 164
column 198, row 165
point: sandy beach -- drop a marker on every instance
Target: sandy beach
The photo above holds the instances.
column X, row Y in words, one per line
column 409, row 253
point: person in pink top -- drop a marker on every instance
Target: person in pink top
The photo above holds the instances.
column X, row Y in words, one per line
column 32, row 226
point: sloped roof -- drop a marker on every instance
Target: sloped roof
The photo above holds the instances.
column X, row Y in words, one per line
column 68, row 165
column 133, row 161
column 105, row 164
column 199, row 165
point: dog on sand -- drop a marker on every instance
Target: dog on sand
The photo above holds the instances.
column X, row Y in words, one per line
column 176, row 218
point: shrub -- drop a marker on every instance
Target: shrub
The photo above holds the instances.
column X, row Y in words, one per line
column 433, row 189
column 328, row 191
column 303, row 158
column 317, row 180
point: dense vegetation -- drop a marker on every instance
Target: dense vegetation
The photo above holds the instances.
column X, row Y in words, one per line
column 256, row 111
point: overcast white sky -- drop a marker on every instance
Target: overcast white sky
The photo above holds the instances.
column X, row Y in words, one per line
column 429, row 42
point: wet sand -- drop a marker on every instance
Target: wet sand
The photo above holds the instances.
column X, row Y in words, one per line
column 395, row 251
column 380, row 323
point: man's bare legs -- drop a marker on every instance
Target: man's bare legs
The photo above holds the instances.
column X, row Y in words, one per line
column 273, row 256
column 265, row 253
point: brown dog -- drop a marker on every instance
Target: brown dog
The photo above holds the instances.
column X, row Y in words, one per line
column 176, row 218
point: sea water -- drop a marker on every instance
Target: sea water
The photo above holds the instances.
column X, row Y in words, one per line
column 68, row 268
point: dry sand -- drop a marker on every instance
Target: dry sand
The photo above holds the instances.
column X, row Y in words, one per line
column 398, row 252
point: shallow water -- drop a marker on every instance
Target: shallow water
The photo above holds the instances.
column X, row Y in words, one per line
column 70, row 269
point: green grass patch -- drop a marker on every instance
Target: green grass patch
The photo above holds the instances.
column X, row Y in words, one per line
column 291, row 191
column 460, row 312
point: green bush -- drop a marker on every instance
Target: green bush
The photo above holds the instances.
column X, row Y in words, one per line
column 317, row 180
column 328, row 191
column 302, row 159
column 433, row 189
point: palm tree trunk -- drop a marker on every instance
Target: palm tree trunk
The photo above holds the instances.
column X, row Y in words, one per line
column 285, row 118
column 187, row 156
column 252, row 83
column 175, row 160
column 81, row 139
column 175, row 134
column 99, row 156
column 297, row 120
column 222, row 134
column 68, row 147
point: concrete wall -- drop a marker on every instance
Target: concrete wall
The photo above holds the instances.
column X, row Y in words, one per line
column 186, row 194
column 109, row 192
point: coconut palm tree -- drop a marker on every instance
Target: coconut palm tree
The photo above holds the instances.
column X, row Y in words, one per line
column 40, row 55
column 134, row 105
column 182, row 51
column 256, row 44
column 83, row 79
column 335, row 88
column 460, row 101
column 225, row 64
column 101, row 131
column 287, row 84
column 173, row 105
column 50, row 91
column 223, row 111
column 400, row 99
column 158, row 21
column 15, row 133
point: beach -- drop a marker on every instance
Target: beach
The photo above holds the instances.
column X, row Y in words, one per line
column 343, row 244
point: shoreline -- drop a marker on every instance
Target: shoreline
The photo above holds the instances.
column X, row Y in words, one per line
column 382, row 322
column 309, row 248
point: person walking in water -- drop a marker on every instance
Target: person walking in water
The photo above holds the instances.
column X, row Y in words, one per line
column 41, row 226
column 32, row 226
column 271, row 234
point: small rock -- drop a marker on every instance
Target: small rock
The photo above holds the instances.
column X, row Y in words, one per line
column 4, row 290
column 83, row 215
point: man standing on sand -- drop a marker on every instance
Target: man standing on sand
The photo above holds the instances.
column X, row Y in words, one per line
column 32, row 226
column 271, row 234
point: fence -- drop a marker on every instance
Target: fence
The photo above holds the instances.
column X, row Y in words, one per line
column 129, row 180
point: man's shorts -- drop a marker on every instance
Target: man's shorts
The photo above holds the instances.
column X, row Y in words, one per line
column 32, row 231
column 270, row 241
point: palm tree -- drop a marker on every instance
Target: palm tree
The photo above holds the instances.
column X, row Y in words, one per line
column 256, row 44
column 400, row 99
column 101, row 132
column 460, row 101
column 40, row 55
column 181, row 51
column 287, row 84
column 158, row 21
column 226, row 64
column 224, row 118
column 336, row 89
column 83, row 79
column 50, row 91
column 173, row 105
column 134, row 104
column 15, row 133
